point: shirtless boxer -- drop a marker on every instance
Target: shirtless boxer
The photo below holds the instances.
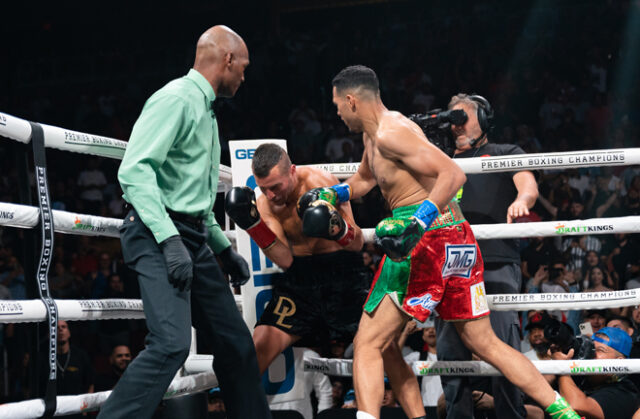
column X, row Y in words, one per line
column 441, row 267
column 320, row 295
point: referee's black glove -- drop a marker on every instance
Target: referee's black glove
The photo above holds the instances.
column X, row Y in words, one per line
column 235, row 266
column 179, row 264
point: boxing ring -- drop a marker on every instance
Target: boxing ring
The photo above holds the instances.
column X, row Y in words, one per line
column 198, row 368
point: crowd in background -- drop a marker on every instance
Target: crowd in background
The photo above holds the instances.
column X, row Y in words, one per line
column 547, row 95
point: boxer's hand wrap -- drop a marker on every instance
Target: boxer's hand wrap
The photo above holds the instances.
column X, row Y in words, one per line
column 322, row 220
column 235, row 266
column 426, row 213
column 240, row 205
column 179, row 263
column 398, row 236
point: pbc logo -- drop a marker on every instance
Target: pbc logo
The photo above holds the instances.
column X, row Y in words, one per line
column 461, row 258
column 426, row 301
column 244, row 154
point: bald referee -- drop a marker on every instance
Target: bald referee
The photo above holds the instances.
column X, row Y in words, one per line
column 169, row 176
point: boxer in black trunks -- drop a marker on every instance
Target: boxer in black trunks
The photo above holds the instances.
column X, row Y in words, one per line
column 319, row 296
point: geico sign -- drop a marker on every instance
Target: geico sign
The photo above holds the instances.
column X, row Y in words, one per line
column 243, row 154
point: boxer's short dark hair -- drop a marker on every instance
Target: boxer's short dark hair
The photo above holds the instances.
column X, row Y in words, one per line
column 266, row 157
column 357, row 77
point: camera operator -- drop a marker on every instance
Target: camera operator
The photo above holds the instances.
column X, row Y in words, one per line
column 489, row 198
column 601, row 396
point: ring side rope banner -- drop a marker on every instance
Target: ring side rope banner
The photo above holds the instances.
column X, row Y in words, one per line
column 252, row 301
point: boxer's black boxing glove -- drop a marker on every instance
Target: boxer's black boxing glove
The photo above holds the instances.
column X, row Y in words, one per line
column 240, row 205
column 322, row 220
column 179, row 263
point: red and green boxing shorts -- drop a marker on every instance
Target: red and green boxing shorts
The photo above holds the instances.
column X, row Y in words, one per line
column 444, row 270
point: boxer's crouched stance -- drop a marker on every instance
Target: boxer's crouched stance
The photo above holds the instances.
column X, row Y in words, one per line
column 319, row 297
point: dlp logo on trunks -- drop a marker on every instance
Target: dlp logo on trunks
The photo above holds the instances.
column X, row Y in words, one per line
column 460, row 259
column 562, row 229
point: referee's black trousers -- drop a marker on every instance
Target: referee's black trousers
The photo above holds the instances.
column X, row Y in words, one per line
column 169, row 313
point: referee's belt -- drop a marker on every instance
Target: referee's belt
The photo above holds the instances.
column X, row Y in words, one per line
column 185, row 218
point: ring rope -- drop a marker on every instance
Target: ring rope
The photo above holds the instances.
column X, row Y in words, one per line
column 25, row 311
column 67, row 405
column 24, row 216
column 197, row 364
column 68, row 140
column 343, row 367
column 30, row 311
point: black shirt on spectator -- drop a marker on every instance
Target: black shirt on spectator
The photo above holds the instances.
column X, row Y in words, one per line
column 619, row 399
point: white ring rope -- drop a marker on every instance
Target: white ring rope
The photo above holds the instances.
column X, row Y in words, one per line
column 29, row 311
column 24, row 216
column 343, row 367
column 24, row 311
column 201, row 378
column 67, row 405
column 78, row 142
column 197, row 364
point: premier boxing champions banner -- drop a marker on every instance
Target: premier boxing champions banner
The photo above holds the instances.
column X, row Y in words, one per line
column 284, row 380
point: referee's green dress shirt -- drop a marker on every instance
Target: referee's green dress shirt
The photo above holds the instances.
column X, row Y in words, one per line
column 173, row 157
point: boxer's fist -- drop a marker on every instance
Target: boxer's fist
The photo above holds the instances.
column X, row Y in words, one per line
column 398, row 236
column 325, row 194
column 240, row 205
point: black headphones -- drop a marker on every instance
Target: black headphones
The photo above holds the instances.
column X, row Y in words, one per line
column 485, row 116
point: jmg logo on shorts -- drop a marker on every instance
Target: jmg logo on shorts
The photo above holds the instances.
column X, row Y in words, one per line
column 425, row 300
column 461, row 258
column 243, row 154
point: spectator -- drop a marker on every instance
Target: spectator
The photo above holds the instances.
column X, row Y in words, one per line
column 91, row 181
column 597, row 319
column 539, row 251
column 314, row 382
column 602, row 396
column 597, row 278
column 337, row 393
column 113, row 331
column 13, row 278
column 215, row 402
column 118, row 361
column 75, row 372
column 535, row 336
column 334, row 152
column 64, row 284
column 96, row 281
column 625, row 251
column 430, row 386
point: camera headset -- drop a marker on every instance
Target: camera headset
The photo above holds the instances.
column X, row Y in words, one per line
column 485, row 116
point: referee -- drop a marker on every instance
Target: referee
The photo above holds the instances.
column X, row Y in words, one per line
column 169, row 176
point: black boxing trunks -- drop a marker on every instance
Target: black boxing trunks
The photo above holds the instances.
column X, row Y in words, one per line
column 319, row 298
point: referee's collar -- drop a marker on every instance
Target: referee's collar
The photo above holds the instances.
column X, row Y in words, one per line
column 202, row 83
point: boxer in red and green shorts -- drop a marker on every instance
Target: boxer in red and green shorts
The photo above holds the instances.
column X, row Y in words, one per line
column 444, row 270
